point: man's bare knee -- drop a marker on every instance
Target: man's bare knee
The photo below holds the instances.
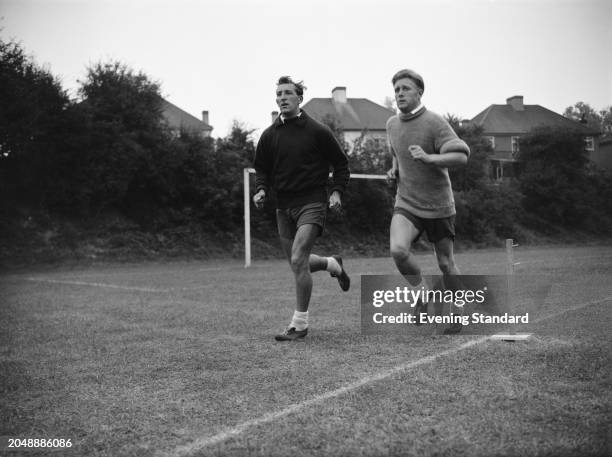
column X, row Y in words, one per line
column 299, row 262
column 400, row 253
column 447, row 266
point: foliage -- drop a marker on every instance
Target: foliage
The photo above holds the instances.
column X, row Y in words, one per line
column 489, row 213
column 558, row 183
column 368, row 203
column 32, row 125
column 597, row 120
column 124, row 132
column 474, row 175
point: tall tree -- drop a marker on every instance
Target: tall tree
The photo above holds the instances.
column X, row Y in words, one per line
column 32, row 106
column 126, row 133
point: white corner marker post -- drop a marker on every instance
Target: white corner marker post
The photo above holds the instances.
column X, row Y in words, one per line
column 510, row 264
column 247, row 217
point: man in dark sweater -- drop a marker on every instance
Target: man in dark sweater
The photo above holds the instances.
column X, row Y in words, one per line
column 293, row 157
column 424, row 146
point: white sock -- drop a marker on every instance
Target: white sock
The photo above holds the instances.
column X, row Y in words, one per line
column 333, row 266
column 299, row 320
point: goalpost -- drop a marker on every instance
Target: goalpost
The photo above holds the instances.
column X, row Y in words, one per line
column 247, row 209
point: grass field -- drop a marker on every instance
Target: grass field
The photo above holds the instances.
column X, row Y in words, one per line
column 178, row 359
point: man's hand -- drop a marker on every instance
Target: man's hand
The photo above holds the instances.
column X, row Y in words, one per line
column 335, row 201
column 259, row 199
column 418, row 154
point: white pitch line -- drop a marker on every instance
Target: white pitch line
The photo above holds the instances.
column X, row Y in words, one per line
column 96, row 284
column 201, row 443
column 270, row 417
column 573, row 308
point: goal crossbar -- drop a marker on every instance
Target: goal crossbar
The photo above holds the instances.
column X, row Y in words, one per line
column 247, row 208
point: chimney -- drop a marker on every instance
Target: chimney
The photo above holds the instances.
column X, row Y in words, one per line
column 516, row 102
column 274, row 115
column 339, row 94
column 205, row 117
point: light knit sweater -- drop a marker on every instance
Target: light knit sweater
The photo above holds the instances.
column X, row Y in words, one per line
column 423, row 189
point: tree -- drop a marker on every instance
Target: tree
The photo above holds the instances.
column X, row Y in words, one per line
column 606, row 120
column 583, row 112
column 32, row 108
column 125, row 136
column 557, row 182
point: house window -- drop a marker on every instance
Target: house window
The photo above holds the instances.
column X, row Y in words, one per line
column 515, row 144
column 589, row 144
column 491, row 140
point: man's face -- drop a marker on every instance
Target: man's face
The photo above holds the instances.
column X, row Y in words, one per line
column 288, row 100
column 407, row 94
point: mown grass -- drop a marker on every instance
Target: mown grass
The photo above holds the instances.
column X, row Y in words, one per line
column 190, row 354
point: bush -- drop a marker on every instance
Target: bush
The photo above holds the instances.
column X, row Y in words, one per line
column 489, row 214
column 559, row 184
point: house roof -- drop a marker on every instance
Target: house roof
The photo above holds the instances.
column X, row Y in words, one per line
column 177, row 118
column 504, row 119
column 354, row 114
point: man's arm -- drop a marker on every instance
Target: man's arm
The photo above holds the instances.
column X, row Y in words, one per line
column 443, row 160
column 393, row 172
column 262, row 167
column 339, row 162
column 453, row 151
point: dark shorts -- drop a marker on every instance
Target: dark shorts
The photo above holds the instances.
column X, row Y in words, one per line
column 436, row 229
column 289, row 219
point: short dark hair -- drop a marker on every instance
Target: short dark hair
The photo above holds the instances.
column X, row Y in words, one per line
column 299, row 86
column 410, row 74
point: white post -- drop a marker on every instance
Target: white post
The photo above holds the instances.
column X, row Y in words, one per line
column 509, row 256
column 510, row 273
column 247, row 219
column 510, row 264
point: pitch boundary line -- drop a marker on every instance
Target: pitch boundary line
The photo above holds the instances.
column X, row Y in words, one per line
column 118, row 286
column 202, row 443
column 272, row 416
column 96, row 284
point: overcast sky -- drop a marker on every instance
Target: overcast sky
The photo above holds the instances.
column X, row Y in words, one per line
column 225, row 56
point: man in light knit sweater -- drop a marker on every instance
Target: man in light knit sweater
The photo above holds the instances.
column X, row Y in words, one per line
column 424, row 146
column 293, row 157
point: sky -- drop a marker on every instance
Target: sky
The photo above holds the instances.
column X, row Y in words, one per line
column 225, row 56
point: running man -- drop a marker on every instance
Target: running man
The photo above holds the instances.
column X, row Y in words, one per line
column 424, row 146
column 293, row 157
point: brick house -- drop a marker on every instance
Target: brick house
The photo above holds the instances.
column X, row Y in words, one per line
column 353, row 115
column 505, row 124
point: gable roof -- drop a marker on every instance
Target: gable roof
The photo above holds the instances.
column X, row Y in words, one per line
column 504, row 119
column 178, row 119
column 354, row 114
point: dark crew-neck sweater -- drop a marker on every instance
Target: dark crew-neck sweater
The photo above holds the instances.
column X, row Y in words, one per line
column 294, row 157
